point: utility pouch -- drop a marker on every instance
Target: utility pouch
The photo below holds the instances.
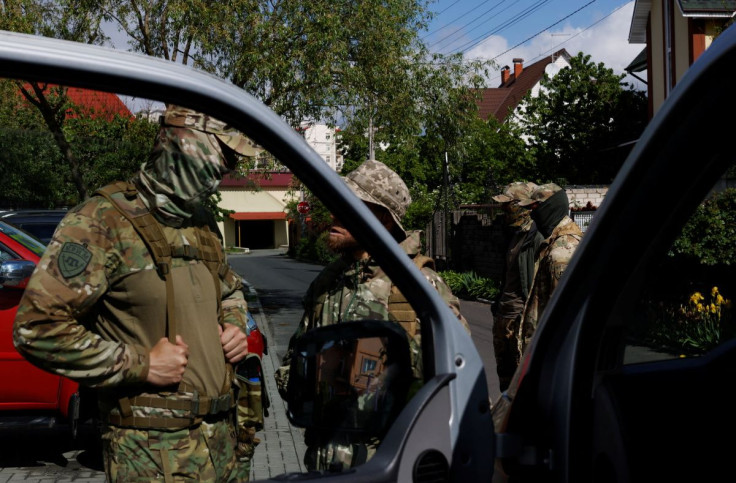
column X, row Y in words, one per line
column 252, row 405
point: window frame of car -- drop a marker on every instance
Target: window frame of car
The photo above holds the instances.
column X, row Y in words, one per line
column 454, row 374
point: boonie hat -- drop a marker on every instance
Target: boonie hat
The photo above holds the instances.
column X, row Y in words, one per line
column 376, row 183
column 178, row 116
column 541, row 194
column 518, row 190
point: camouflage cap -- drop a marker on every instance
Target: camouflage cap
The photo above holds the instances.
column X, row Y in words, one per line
column 376, row 183
column 518, row 190
column 541, row 194
column 178, row 116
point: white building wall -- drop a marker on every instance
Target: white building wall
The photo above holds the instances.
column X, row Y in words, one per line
column 322, row 139
column 263, row 200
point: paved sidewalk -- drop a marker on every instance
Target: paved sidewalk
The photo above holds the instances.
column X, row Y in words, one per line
column 282, row 446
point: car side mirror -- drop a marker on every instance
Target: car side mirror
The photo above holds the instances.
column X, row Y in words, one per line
column 15, row 273
column 349, row 377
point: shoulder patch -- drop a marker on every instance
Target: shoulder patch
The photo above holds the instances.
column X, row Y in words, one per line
column 73, row 259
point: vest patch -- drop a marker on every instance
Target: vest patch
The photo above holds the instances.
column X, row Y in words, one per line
column 73, row 259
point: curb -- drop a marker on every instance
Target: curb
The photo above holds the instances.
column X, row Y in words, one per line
column 282, row 445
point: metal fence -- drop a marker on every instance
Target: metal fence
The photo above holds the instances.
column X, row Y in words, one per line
column 582, row 218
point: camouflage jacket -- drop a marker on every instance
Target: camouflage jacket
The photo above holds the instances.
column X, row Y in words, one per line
column 348, row 290
column 519, row 273
column 95, row 305
column 552, row 258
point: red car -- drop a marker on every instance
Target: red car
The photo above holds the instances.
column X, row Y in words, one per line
column 42, row 397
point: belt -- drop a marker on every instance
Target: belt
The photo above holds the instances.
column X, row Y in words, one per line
column 199, row 408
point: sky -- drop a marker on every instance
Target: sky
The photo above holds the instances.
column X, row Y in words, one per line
column 503, row 30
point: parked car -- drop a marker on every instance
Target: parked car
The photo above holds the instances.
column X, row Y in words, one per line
column 596, row 398
column 39, row 223
column 28, row 395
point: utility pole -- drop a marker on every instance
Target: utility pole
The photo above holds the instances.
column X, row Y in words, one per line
column 371, row 151
column 446, row 209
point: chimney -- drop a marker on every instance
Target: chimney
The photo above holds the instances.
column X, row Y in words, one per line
column 505, row 74
column 518, row 67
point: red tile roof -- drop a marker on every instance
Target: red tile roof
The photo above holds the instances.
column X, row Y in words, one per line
column 99, row 104
column 497, row 101
column 274, row 180
column 258, row 215
column 95, row 104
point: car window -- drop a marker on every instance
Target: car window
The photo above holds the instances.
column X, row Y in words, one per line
column 23, row 238
column 6, row 254
column 686, row 308
column 42, row 231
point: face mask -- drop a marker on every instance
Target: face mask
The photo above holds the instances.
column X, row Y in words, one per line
column 186, row 167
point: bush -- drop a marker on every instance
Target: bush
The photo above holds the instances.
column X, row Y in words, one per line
column 470, row 286
column 314, row 249
column 709, row 237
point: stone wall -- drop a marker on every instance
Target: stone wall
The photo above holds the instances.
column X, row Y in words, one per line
column 580, row 196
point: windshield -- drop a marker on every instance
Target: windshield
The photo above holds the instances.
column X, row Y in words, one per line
column 23, row 238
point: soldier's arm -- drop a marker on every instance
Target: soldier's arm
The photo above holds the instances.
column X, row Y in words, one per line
column 70, row 278
column 559, row 258
column 235, row 317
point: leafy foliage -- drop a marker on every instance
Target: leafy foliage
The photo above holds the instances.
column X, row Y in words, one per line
column 470, row 286
column 314, row 249
column 710, row 234
column 691, row 328
column 581, row 122
column 37, row 174
column 324, row 60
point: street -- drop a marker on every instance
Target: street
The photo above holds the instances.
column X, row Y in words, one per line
column 45, row 455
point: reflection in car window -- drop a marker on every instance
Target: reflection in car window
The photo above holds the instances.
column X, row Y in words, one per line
column 6, row 254
column 23, row 238
column 687, row 307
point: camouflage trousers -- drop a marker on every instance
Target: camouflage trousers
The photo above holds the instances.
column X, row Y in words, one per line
column 506, row 348
column 206, row 453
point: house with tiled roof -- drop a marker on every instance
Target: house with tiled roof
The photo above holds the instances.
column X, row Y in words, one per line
column 259, row 203
column 500, row 101
column 97, row 104
column 676, row 33
column 94, row 104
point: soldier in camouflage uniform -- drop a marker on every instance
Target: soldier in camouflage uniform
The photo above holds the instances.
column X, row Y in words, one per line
column 354, row 287
column 549, row 207
column 518, row 277
column 100, row 310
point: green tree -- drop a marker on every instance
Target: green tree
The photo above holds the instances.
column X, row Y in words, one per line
column 582, row 123
column 37, row 174
column 709, row 237
column 338, row 60
column 74, row 20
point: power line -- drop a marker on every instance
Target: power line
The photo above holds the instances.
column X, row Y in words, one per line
column 533, row 36
column 503, row 26
column 461, row 28
column 556, row 47
column 458, row 18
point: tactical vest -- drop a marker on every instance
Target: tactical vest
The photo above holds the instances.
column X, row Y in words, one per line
column 207, row 250
column 399, row 309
